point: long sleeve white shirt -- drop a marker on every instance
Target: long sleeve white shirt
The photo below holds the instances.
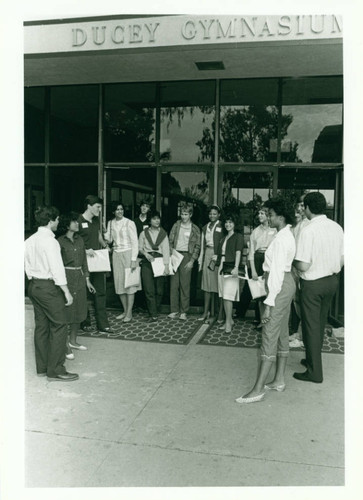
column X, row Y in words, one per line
column 123, row 234
column 43, row 259
column 278, row 260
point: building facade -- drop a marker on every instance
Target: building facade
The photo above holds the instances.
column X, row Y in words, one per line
column 196, row 109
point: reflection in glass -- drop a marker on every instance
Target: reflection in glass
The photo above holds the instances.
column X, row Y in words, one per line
column 74, row 123
column 70, row 185
column 293, row 183
column 315, row 106
column 34, row 124
column 244, row 193
column 249, row 120
column 129, row 122
column 184, row 187
column 131, row 185
column 315, row 133
column 187, row 121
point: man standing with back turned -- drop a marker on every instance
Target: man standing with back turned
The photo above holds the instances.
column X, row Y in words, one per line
column 47, row 291
column 319, row 258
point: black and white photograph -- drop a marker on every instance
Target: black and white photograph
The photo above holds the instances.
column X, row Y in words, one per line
column 179, row 292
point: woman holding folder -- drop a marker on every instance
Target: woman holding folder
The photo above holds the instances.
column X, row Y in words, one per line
column 153, row 245
column 121, row 233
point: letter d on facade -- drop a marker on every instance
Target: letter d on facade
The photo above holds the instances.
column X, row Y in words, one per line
column 79, row 37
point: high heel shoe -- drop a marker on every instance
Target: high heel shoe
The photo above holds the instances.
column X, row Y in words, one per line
column 223, row 327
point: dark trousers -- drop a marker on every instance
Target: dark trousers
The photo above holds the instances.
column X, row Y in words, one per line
column 316, row 297
column 180, row 287
column 98, row 280
column 246, row 297
column 50, row 333
column 153, row 288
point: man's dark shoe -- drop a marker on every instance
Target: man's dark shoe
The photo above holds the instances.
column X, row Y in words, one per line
column 304, row 377
column 64, row 377
column 304, row 362
column 105, row 330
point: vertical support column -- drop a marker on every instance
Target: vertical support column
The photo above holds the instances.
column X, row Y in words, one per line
column 216, row 195
column 100, row 169
column 157, row 150
column 47, row 200
column 279, row 120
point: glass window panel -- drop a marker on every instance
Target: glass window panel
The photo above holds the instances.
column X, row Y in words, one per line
column 243, row 194
column 187, row 121
column 129, row 122
column 294, row 183
column 33, row 196
column 34, row 124
column 249, row 120
column 131, row 185
column 70, row 185
column 314, row 130
column 74, row 123
column 184, row 187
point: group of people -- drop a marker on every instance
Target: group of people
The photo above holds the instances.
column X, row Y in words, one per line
column 299, row 262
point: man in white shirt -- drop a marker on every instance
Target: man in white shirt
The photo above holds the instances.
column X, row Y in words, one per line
column 319, row 258
column 47, row 291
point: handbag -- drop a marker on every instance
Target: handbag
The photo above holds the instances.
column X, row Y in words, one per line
column 100, row 262
column 132, row 278
column 227, row 268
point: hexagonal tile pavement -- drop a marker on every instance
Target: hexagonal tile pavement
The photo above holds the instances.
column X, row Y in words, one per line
column 165, row 330
column 244, row 334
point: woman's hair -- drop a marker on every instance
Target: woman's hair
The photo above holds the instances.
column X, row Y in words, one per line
column 263, row 208
column 114, row 206
column 230, row 216
column 91, row 199
column 144, row 202
column 186, row 208
column 154, row 213
column 214, row 207
column 316, row 202
column 65, row 220
column 282, row 207
column 44, row 214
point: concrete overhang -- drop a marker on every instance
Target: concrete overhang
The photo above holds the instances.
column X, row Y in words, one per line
column 97, row 51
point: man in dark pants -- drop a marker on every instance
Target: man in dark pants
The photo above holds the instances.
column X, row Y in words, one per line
column 47, row 290
column 142, row 222
column 319, row 258
column 90, row 231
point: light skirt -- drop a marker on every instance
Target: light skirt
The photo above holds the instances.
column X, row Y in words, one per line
column 228, row 288
column 120, row 261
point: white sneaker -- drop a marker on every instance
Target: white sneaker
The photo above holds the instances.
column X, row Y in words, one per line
column 183, row 316
column 70, row 355
column 296, row 343
column 173, row 315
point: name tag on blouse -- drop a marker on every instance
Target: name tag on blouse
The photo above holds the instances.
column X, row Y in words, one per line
column 187, row 235
column 84, row 224
column 218, row 229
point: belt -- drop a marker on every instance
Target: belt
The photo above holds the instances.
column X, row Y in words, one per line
column 182, row 251
column 73, row 268
column 42, row 279
column 260, row 251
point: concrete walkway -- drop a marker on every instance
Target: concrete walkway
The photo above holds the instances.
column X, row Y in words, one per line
column 147, row 414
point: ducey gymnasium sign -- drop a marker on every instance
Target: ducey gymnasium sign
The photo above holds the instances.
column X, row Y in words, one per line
column 177, row 30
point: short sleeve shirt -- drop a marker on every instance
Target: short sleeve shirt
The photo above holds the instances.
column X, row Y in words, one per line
column 89, row 232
